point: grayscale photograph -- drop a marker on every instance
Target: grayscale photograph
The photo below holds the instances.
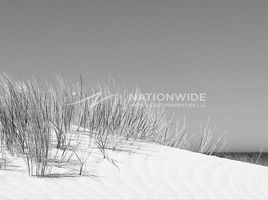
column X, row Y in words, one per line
column 133, row 99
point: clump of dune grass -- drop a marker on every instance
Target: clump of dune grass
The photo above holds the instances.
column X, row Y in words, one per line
column 180, row 136
column 112, row 117
column 252, row 158
column 208, row 145
column 25, row 115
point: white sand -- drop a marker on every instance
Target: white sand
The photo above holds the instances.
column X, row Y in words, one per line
column 151, row 172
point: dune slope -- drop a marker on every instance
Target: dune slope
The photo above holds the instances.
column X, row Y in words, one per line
column 143, row 171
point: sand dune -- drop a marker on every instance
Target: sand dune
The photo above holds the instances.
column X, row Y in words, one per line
column 145, row 171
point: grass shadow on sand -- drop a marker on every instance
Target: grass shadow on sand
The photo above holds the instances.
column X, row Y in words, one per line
column 69, row 175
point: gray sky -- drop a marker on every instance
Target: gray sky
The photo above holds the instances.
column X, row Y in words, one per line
column 211, row 46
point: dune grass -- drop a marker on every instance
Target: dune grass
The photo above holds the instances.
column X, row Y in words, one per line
column 37, row 120
column 206, row 145
column 25, row 115
column 252, row 158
